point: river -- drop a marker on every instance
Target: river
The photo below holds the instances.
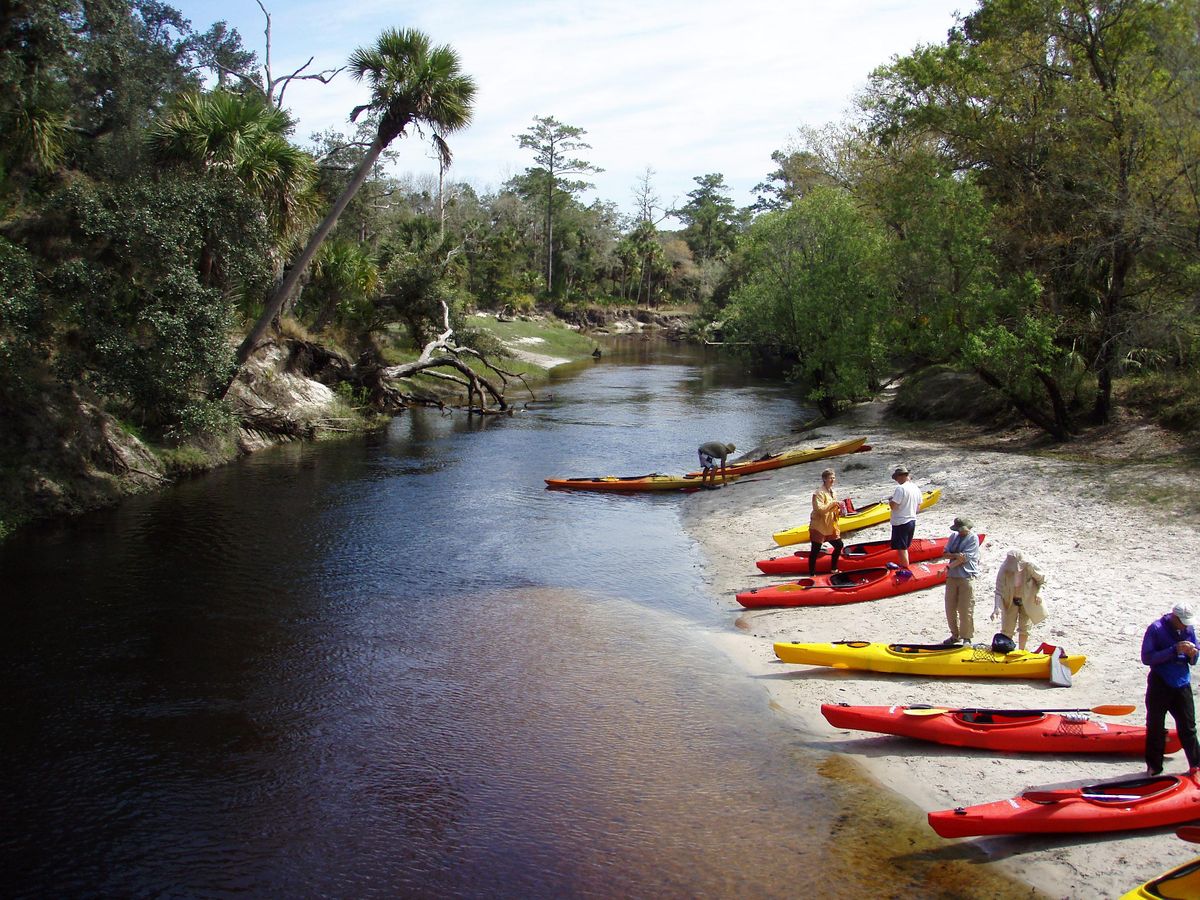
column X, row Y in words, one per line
column 396, row 665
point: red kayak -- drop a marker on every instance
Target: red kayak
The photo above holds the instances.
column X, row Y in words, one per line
column 868, row 555
column 1014, row 730
column 1151, row 801
column 846, row 587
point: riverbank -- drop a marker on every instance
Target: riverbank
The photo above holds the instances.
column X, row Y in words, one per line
column 69, row 452
column 1118, row 542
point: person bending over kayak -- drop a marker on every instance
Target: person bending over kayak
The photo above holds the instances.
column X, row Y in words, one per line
column 1169, row 649
column 709, row 454
column 823, row 523
column 905, row 501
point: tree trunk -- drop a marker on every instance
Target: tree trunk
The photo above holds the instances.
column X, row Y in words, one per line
column 1049, row 424
column 1106, row 356
column 294, row 274
column 550, row 237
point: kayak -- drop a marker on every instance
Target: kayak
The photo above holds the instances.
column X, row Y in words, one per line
column 868, row 515
column 630, row 483
column 866, row 555
column 792, row 457
column 1016, row 731
column 970, row 661
column 1151, row 801
column 1181, row 882
column 847, row 587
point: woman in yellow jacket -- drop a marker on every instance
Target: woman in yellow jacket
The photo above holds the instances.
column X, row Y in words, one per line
column 1018, row 596
column 823, row 523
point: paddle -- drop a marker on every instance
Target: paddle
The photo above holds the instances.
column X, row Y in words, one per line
column 1111, row 709
column 1056, row 796
column 1189, row 833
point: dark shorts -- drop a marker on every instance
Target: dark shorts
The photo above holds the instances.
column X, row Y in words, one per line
column 902, row 535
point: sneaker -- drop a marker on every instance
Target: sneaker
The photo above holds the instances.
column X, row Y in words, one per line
column 951, row 641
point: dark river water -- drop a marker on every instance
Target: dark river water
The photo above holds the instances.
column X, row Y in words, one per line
column 398, row 666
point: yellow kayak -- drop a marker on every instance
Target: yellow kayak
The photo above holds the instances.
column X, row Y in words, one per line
column 925, row 659
column 1181, row 883
column 868, row 515
column 792, row 457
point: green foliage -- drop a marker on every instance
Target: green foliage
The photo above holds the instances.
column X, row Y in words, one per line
column 552, row 143
column 815, row 296
column 22, row 318
column 1171, row 398
column 711, row 218
column 411, row 80
column 419, row 281
column 1077, row 123
column 246, row 137
column 136, row 319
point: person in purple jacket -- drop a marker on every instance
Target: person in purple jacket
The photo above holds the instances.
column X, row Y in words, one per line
column 1169, row 649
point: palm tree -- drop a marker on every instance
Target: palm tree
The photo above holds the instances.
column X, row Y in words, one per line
column 246, row 137
column 412, row 83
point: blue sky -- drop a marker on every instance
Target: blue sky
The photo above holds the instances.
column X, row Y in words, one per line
column 686, row 87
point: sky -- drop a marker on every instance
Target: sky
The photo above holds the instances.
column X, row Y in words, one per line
column 682, row 87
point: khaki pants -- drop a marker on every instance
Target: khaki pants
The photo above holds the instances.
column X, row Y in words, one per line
column 960, row 607
column 1014, row 621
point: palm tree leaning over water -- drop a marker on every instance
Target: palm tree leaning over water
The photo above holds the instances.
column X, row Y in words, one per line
column 412, row 82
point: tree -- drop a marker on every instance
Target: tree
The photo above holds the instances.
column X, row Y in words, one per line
column 711, row 218
column 815, row 298
column 1067, row 113
column 244, row 136
column 552, row 142
column 412, row 83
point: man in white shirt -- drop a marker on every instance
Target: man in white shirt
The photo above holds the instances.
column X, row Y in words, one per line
column 905, row 501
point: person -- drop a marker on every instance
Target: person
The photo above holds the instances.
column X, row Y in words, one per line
column 904, row 502
column 709, row 454
column 1169, row 649
column 962, row 549
column 1018, row 596
column 823, row 523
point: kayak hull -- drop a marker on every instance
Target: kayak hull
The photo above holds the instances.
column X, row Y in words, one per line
column 792, row 457
column 629, row 484
column 1182, row 881
column 909, row 659
column 1149, row 802
column 996, row 730
column 847, row 587
column 866, row 555
column 865, row 517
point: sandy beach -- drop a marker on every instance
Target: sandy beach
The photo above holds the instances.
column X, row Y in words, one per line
column 1117, row 542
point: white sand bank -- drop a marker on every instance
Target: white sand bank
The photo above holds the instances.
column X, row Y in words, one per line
column 1119, row 547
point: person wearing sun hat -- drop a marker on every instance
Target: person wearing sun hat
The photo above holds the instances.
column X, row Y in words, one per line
column 962, row 549
column 1169, row 649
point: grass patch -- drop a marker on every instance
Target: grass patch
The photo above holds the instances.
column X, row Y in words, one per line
column 185, row 460
column 556, row 339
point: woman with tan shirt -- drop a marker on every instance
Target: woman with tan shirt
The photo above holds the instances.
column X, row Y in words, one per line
column 823, row 523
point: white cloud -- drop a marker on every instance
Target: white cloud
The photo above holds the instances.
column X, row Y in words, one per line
column 687, row 87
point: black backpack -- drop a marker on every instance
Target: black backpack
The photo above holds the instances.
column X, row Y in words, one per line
column 1002, row 643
